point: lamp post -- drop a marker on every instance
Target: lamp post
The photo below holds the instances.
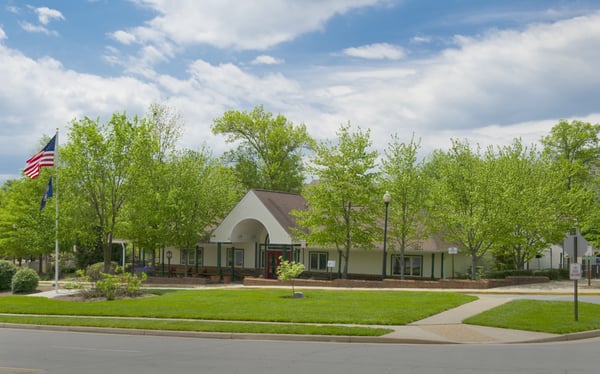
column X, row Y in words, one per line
column 169, row 255
column 386, row 200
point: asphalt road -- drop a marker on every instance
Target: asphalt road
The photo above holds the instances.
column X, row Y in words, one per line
column 31, row 351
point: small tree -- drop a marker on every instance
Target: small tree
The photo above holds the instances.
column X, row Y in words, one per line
column 289, row 270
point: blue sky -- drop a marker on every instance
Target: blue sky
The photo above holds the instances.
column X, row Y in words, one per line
column 485, row 71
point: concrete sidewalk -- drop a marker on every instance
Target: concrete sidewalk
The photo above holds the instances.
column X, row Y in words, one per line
column 442, row 328
column 447, row 327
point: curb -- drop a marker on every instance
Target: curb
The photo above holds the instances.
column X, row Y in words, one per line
column 287, row 337
column 225, row 335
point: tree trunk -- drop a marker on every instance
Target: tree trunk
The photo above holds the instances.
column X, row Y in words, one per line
column 108, row 253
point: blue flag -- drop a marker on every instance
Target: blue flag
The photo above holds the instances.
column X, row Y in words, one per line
column 47, row 194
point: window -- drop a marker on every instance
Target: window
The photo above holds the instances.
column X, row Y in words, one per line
column 318, row 261
column 237, row 255
column 413, row 265
column 192, row 256
column 200, row 256
column 184, row 254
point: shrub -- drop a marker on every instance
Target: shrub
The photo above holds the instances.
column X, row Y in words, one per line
column 94, row 271
column 25, row 280
column 108, row 286
column 7, row 272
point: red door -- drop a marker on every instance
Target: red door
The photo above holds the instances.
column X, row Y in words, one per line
column 272, row 263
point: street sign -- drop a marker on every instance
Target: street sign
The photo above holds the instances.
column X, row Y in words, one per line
column 331, row 263
column 575, row 272
column 452, row 250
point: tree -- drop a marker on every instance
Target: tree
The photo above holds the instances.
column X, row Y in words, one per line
column 289, row 271
column 146, row 210
column 26, row 231
column 98, row 175
column 341, row 211
column 575, row 152
column 201, row 193
column 466, row 200
column 530, row 201
column 269, row 154
column 404, row 178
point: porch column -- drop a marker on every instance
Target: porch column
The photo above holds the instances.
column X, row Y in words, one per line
column 219, row 270
column 442, row 270
column 162, row 262
column 432, row 265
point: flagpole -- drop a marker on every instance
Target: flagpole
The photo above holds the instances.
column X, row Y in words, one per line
column 56, row 216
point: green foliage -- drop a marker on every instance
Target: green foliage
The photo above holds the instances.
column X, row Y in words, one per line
column 404, row 178
column 24, row 281
column 196, row 201
column 289, row 270
column 109, row 286
column 341, row 207
column 269, row 154
column 7, row 271
column 530, row 205
column 466, row 196
column 574, row 148
column 25, row 231
column 100, row 176
column 94, row 272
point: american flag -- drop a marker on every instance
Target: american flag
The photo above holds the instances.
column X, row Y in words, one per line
column 45, row 157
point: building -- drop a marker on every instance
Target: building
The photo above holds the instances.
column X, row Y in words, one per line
column 258, row 231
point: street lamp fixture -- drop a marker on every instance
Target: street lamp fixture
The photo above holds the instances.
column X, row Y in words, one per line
column 386, row 200
column 169, row 255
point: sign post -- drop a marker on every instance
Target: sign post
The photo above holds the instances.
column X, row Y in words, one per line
column 576, row 275
column 452, row 251
column 330, row 267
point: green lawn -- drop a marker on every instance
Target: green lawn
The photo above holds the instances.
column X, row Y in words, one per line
column 555, row 317
column 204, row 326
column 264, row 305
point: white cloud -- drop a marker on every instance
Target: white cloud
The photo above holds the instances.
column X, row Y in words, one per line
column 377, row 51
column 242, row 24
column 246, row 25
column 45, row 15
column 29, row 27
column 266, row 60
column 123, row 37
column 488, row 89
column 13, row 9
column 37, row 96
column 421, row 39
column 2, row 34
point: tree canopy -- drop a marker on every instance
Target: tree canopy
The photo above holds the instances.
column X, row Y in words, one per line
column 404, row 178
column 340, row 202
column 270, row 150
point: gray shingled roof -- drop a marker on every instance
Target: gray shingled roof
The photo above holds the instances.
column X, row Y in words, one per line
column 280, row 204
